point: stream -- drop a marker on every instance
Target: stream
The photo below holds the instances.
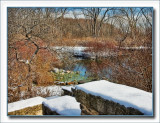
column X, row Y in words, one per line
column 110, row 67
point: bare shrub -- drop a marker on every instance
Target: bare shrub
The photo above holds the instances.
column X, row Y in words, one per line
column 134, row 70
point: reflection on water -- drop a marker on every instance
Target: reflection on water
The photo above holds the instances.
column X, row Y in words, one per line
column 91, row 70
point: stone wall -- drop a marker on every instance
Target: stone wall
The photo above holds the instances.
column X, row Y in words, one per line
column 47, row 111
column 34, row 110
column 66, row 92
column 95, row 105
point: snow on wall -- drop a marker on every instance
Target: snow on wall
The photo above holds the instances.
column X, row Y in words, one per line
column 25, row 103
column 52, row 97
column 65, row 105
column 122, row 94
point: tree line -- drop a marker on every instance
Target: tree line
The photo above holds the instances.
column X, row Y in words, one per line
column 56, row 24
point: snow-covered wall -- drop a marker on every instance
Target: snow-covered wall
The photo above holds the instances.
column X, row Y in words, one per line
column 108, row 98
column 64, row 105
column 32, row 106
column 25, row 103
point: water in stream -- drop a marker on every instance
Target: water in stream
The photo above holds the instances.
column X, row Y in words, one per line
column 90, row 70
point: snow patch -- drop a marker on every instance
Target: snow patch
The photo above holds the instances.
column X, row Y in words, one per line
column 25, row 103
column 53, row 90
column 69, row 49
column 122, row 94
column 65, row 105
column 135, row 48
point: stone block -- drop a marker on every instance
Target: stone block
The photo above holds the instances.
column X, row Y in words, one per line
column 95, row 105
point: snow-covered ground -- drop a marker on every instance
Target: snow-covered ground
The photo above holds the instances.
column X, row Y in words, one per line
column 136, row 48
column 53, row 90
column 25, row 103
column 80, row 51
column 122, row 94
column 69, row 49
column 65, row 105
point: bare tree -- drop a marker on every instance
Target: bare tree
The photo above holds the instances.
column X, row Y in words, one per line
column 147, row 13
column 122, row 32
column 131, row 15
column 94, row 18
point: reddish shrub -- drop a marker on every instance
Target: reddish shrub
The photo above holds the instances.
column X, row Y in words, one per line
column 97, row 46
column 39, row 42
column 41, row 65
column 22, row 72
column 44, row 78
column 25, row 52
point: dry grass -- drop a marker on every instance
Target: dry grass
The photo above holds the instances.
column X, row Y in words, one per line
column 82, row 41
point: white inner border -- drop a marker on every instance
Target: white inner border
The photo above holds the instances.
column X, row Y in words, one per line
column 5, row 4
